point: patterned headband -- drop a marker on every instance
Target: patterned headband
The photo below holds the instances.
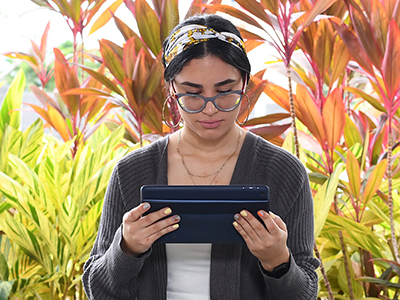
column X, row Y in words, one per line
column 194, row 34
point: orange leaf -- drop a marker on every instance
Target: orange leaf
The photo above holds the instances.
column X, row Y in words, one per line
column 234, row 12
column 66, row 79
column 105, row 16
column 128, row 87
column 278, row 94
column 43, row 43
column 374, row 181
column 310, row 115
column 256, row 9
column 333, row 114
column 58, row 123
column 272, row 6
column 43, row 113
column 391, row 74
column 271, row 131
column 379, row 25
column 353, row 172
column 129, row 57
column 251, row 44
column 154, row 78
column 340, row 59
column 323, row 46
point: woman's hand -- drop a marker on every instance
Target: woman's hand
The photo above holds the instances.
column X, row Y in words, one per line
column 140, row 232
column 267, row 244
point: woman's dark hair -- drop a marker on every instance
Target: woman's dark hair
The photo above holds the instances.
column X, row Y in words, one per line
column 223, row 50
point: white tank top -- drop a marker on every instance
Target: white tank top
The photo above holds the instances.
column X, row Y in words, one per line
column 188, row 271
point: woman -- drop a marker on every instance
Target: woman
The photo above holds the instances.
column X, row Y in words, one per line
column 207, row 71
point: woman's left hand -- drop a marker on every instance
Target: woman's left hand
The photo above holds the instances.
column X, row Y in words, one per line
column 267, row 244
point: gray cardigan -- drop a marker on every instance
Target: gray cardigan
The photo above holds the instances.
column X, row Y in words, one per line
column 235, row 273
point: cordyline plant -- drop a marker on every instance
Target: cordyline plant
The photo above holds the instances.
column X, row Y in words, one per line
column 136, row 68
column 281, row 24
column 378, row 21
column 77, row 14
column 37, row 60
column 74, row 117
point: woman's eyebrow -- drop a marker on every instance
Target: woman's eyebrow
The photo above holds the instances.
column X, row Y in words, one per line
column 195, row 85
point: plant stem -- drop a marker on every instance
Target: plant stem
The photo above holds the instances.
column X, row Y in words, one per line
column 390, row 196
column 292, row 111
column 342, row 245
column 324, row 275
column 296, row 145
column 82, row 58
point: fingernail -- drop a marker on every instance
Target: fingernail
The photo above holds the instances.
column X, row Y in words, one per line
column 243, row 213
column 236, row 217
column 146, row 205
column 235, row 224
column 261, row 213
column 175, row 226
column 176, row 218
column 167, row 211
column 273, row 216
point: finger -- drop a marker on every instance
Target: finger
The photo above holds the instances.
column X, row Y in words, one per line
column 154, row 217
column 250, row 224
column 278, row 221
column 243, row 233
column 269, row 221
column 135, row 213
column 164, row 230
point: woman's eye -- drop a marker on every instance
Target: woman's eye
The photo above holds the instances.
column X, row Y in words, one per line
column 193, row 93
column 227, row 91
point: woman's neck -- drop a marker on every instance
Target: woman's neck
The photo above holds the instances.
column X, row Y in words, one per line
column 192, row 142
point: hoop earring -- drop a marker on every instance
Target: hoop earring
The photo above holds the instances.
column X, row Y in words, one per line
column 248, row 112
column 163, row 115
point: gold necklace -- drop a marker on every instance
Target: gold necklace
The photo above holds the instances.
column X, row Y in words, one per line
column 191, row 175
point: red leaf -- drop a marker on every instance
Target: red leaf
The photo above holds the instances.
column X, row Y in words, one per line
column 354, row 47
column 391, row 74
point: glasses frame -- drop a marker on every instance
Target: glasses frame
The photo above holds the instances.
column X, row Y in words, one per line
column 241, row 92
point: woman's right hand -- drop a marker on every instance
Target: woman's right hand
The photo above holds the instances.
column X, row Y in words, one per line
column 140, row 232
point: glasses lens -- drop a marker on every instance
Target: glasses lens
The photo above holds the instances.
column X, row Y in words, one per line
column 191, row 103
column 223, row 102
column 228, row 101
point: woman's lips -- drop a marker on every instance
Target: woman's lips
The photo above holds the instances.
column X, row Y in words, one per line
column 210, row 124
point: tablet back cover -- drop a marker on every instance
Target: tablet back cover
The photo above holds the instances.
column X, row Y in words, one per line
column 206, row 211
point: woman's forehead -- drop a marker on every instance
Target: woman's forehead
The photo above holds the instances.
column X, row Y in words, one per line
column 207, row 70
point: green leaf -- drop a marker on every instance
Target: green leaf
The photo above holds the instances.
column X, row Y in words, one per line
column 324, row 198
column 374, row 181
column 169, row 17
column 12, row 103
column 351, row 134
column 149, row 26
column 357, row 234
column 112, row 61
column 93, row 163
column 5, row 289
column 380, row 282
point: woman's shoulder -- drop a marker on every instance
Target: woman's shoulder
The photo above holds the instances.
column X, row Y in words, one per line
column 144, row 157
column 268, row 153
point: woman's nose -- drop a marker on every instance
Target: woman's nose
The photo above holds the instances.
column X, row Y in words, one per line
column 210, row 109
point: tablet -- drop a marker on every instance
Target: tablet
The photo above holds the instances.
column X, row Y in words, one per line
column 206, row 211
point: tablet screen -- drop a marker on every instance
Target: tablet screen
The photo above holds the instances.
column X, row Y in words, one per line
column 206, row 211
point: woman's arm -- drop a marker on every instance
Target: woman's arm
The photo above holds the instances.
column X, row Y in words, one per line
column 109, row 273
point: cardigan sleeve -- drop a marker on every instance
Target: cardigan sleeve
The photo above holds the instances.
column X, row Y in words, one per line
column 109, row 273
column 301, row 281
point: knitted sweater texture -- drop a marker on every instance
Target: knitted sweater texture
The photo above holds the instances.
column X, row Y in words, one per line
column 235, row 273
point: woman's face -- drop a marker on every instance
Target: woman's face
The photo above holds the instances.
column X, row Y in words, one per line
column 209, row 76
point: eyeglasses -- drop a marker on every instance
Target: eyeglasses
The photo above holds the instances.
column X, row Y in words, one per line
column 193, row 103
